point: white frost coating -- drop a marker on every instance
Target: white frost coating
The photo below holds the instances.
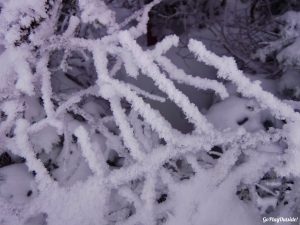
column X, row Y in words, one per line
column 13, row 8
column 153, row 117
column 179, row 74
column 148, row 196
column 17, row 14
column 88, row 151
column 141, row 28
column 73, row 24
column 109, row 92
column 197, row 82
column 116, row 68
column 228, row 69
column 23, row 70
column 163, row 46
column 43, row 71
column 130, row 67
column 101, row 62
column 146, row 94
column 157, row 121
column 122, row 191
column 82, row 203
column 75, row 98
column 92, row 10
column 34, row 164
column 129, row 19
column 126, row 130
column 149, row 68
column 131, row 196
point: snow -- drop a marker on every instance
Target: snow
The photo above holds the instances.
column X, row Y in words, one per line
column 15, row 184
column 87, row 123
column 87, row 150
column 126, row 131
column 23, row 71
column 73, row 24
column 46, row 86
column 23, row 12
column 200, row 83
column 45, row 139
column 22, row 140
column 234, row 112
column 96, row 10
column 228, row 70
column 150, row 69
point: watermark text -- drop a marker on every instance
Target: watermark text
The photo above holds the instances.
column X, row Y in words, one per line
column 280, row 219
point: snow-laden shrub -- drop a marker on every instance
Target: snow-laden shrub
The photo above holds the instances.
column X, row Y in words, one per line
column 81, row 146
column 284, row 47
column 283, row 52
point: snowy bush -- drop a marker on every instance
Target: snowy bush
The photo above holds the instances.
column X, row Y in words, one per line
column 82, row 145
column 289, row 40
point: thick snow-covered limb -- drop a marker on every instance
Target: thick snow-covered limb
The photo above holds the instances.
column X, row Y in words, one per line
column 125, row 128
column 36, row 127
column 161, row 154
column 227, row 69
column 197, row 82
column 130, row 67
column 158, row 123
column 178, row 74
column 148, row 135
column 46, row 88
column 75, row 98
column 18, row 58
column 88, row 151
column 101, row 62
column 25, row 150
column 109, row 92
column 148, row 196
column 162, row 47
column 149, row 68
column 143, row 132
column 73, row 24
